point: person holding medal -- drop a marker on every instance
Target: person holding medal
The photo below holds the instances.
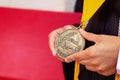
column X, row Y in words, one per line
column 100, row 58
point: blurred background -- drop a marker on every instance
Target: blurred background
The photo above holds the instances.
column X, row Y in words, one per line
column 24, row 29
column 52, row 5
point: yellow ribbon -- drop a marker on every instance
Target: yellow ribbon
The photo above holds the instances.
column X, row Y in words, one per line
column 89, row 9
column 77, row 70
column 117, row 77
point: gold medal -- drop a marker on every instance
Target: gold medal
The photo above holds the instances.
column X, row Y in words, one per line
column 69, row 42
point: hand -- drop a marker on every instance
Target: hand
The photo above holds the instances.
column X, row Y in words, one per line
column 102, row 56
column 54, row 35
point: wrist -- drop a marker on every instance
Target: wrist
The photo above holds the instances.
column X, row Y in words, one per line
column 118, row 63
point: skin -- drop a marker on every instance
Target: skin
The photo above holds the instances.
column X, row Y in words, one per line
column 101, row 57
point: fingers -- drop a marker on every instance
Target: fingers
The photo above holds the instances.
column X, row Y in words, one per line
column 68, row 27
column 86, row 54
column 82, row 55
column 90, row 36
column 54, row 35
column 101, row 70
column 91, row 68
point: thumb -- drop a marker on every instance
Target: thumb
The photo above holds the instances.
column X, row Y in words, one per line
column 89, row 36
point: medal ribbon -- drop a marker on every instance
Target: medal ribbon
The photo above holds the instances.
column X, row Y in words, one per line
column 89, row 9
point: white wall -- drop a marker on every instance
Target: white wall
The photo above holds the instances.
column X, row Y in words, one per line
column 4, row 2
column 52, row 5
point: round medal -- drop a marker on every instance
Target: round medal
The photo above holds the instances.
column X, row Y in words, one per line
column 69, row 42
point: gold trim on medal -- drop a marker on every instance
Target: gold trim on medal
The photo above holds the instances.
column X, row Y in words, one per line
column 69, row 42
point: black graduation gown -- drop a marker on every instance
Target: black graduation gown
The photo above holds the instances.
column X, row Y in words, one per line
column 104, row 21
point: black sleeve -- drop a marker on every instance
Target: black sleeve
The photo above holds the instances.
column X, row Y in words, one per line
column 79, row 6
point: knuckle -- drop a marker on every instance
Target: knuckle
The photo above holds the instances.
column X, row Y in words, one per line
column 90, row 68
column 107, row 73
column 93, row 36
column 95, row 63
column 104, row 73
column 94, row 51
column 100, row 37
column 100, row 69
column 91, row 53
column 89, row 34
column 87, row 67
column 50, row 34
column 76, row 57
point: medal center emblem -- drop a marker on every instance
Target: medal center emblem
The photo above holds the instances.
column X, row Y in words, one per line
column 69, row 42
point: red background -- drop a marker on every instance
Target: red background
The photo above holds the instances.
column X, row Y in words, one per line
column 24, row 50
